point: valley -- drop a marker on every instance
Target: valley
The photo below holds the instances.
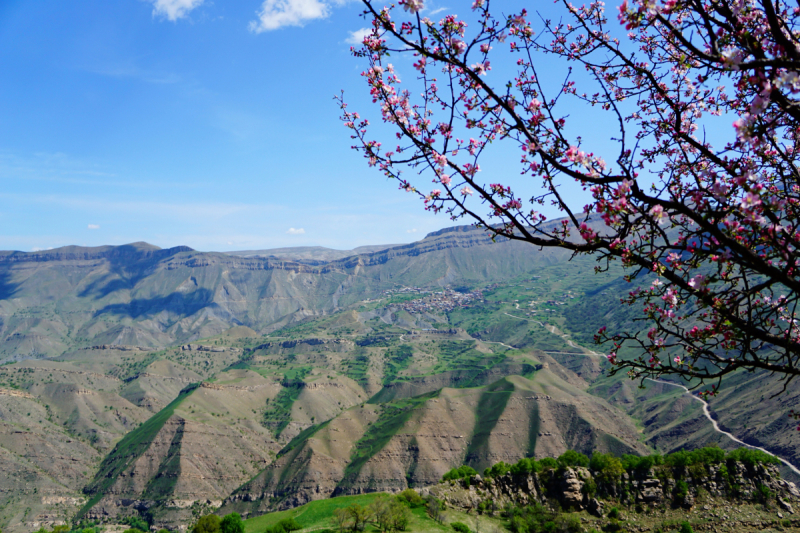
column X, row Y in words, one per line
column 166, row 384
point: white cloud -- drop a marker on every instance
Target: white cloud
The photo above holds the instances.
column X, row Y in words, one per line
column 357, row 37
column 174, row 9
column 411, row 230
column 296, row 231
column 94, row 226
column 276, row 14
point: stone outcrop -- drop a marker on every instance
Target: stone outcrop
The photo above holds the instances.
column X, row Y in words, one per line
column 579, row 488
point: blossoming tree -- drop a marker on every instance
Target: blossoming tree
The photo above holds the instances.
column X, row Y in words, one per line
column 712, row 224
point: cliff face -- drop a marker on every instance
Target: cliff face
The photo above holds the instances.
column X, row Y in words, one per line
column 580, row 488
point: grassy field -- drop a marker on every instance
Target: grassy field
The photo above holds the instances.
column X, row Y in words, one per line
column 318, row 515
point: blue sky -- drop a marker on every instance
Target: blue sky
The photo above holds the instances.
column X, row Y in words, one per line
column 182, row 122
column 206, row 123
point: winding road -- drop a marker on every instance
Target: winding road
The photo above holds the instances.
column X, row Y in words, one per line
column 706, row 411
column 718, row 430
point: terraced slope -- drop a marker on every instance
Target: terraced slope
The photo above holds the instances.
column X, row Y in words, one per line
column 414, row 441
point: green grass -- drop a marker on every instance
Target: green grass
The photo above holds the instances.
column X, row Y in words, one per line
column 317, row 515
column 356, row 368
column 393, row 417
column 279, row 410
column 129, row 449
column 398, row 360
column 491, row 405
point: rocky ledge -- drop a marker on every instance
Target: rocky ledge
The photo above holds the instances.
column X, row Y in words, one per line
column 580, row 488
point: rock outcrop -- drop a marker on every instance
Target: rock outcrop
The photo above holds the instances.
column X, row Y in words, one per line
column 580, row 488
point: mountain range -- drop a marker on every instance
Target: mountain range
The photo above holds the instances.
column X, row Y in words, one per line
column 165, row 383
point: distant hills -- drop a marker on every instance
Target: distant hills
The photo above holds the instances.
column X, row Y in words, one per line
column 139, row 294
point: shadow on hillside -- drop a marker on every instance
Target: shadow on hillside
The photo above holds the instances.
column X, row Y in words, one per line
column 7, row 288
column 128, row 265
column 182, row 304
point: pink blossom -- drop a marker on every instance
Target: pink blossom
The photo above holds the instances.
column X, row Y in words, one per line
column 412, row 6
column 458, row 46
column 466, row 191
column 750, row 201
column 657, row 212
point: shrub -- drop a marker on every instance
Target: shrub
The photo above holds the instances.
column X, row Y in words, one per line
column 614, row 513
column 752, row 457
column 207, row 524
column 548, row 462
column 606, row 466
column 497, row 470
column 412, row 498
column 137, row 523
column 461, row 472
column 571, row 524
column 686, row 527
column 572, row 458
column 640, row 464
column 232, row 523
column 763, row 493
column 460, row 527
column 525, row 466
column 681, row 490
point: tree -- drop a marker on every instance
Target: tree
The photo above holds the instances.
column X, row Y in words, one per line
column 706, row 211
column 389, row 514
column 341, row 517
column 231, row 523
column 434, row 508
column 360, row 515
column 207, row 524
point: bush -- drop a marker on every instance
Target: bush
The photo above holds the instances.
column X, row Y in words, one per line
column 606, row 466
column 232, row 523
column 614, row 513
column 461, row 527
column 686, row 527
column 681, row 490
column 640, row 463
column 763, row 494
column 548, row 462
column 461, row 472
column 412, row 498
column 207, row 524
column 572, row 458
column 500, row 469
column 525, row 466
column 752, row 457
column 284, row 526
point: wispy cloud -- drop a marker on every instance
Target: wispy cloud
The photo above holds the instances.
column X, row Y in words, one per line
column 174, row 9
column 357, row 37
column 275, row 14
column 414, row 230
column 296, row 231
column 94, row 226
